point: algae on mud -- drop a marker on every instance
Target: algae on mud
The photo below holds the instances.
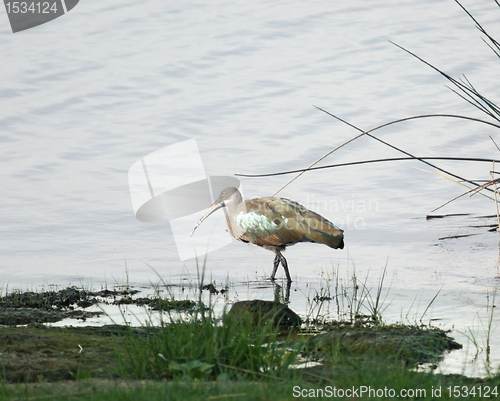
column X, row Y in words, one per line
column 38, row 353
column 18, row 308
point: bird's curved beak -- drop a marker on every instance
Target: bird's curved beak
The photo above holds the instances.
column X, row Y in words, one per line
column 214, row 207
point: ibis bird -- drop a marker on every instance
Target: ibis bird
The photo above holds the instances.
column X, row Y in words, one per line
column 273, row 223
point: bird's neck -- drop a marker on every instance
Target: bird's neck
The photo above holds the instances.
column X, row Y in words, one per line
column 230, row 211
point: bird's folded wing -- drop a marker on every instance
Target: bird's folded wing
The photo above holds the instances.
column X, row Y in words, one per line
column 294, row 223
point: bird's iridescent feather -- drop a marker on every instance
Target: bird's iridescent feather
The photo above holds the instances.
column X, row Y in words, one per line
column 272, row 221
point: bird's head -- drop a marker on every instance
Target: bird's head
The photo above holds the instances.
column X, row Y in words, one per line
column 228, row 197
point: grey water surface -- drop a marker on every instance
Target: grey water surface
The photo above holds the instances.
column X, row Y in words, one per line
column 86, row 96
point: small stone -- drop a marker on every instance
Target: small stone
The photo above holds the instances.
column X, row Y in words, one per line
column 265, row 312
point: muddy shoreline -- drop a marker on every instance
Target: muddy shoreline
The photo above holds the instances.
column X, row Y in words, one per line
column 38, row 357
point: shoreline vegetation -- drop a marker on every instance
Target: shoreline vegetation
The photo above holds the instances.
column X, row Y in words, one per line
column 257, row 350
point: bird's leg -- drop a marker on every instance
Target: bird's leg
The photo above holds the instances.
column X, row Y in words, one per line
column 276, row 264
column 285, row 266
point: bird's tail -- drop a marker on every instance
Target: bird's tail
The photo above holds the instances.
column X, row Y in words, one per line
column 333, row 238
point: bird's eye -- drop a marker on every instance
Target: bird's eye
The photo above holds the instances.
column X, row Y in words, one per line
column 223, row 193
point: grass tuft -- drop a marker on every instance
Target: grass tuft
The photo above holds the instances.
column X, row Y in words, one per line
column 206, row 349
